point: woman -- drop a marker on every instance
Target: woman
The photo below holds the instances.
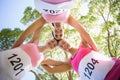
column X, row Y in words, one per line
column 62, row 16
column 89, row 64
column 16, row 62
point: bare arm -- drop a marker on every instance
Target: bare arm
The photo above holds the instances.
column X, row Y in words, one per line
column 36, row 36
column 79, row 27
column 65, row 66
column 84, row 42
column 31, row 29
column 51, row 62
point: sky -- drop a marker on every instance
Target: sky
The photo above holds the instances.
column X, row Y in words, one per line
column 11, row 11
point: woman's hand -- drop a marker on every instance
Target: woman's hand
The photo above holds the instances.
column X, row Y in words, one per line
column 51, row 44
column 64, row 45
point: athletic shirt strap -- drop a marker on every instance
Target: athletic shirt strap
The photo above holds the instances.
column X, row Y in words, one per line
column 82, row 51
column 31, row 49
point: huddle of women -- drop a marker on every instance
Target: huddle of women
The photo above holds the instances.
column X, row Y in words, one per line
column 86, row 60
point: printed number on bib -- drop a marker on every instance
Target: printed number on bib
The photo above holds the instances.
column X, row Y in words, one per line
column 54, row 12
column 89, row 68
column 15, row 61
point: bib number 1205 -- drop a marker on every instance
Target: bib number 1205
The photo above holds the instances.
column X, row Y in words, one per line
column 15, row 61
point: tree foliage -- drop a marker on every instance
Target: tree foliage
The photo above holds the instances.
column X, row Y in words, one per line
column 29, row 15
column 102, row 21
column 8, row 37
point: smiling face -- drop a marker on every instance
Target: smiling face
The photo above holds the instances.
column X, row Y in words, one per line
column 58, row 31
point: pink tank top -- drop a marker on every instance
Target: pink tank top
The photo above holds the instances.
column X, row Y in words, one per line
column 82, row 51
column 14, row 63
column 32, row 50
column 91, row 65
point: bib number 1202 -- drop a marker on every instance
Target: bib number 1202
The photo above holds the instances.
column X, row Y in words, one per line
column 52, row 11
column 90, row 67
column 15, row 61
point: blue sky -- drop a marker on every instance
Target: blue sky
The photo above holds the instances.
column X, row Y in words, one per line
column 11, row 11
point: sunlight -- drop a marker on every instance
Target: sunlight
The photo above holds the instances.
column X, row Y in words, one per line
column 29, row 76
column 84, row 9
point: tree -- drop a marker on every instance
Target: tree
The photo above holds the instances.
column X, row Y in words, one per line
column 103, row 15
column 108, row 11
column 102, row 21
column 8, row 37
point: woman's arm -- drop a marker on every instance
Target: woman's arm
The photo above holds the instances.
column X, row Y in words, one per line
column 79, row 27
column 65, row 66
column 36, row 36
column 51, row 62
column 39, row 23
column 84, row 42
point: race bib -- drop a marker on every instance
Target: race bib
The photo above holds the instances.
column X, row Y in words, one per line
column 94, row 66
column 15, row 63
column 53, row 9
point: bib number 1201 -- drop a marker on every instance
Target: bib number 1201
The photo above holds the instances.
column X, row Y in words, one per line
column 15, row 61
column 90, row 67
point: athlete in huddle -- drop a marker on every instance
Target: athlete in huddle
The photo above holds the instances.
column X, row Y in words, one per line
column 16, row 62
column 53, row 11
column 88, row 63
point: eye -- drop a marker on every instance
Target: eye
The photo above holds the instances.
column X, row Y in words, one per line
column 56, row 35
column 54, row 45
column 49, row 43
column 60, row 35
